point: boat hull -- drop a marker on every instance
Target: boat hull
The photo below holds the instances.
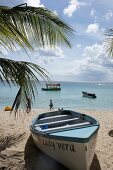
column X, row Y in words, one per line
column 89, row 95
column 51, row 89
column 73, row 155
column 68, row 137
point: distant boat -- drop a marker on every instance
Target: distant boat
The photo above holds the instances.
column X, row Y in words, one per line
column 52, row 87
column 68, row 137
column 90, row 95
column 100, row 84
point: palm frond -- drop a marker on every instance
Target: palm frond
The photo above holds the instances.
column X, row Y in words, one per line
column 109, row 32
column 27, row 25
column 108, row 43
column 22, row 74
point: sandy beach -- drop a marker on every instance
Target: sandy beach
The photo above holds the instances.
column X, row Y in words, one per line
column 18, row 152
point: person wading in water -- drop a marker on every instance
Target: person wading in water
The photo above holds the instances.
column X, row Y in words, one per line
column 51, row 105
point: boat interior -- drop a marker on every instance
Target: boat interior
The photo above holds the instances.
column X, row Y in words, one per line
column 60, row 120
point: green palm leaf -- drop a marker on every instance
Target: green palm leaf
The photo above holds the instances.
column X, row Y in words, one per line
column 108, row 43
column 22, row 75
column 28, row 27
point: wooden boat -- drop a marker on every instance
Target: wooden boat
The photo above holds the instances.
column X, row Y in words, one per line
column 90, row 95
column 68, row 137
column 52, row 87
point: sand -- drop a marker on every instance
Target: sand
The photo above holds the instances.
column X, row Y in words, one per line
column 18, row 152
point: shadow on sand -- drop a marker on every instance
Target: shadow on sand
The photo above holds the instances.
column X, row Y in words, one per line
column 110, row 133
column 95, row 163
column 36, row 160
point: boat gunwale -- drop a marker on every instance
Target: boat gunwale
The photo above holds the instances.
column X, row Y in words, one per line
column 71, row 139
column 74, row 139
column 55, row 122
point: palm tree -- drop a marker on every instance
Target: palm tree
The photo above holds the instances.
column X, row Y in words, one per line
column 108, row 43
column 22, row 26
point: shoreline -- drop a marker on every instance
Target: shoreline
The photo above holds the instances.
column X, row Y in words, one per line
column 75, row 109
column 18, row 150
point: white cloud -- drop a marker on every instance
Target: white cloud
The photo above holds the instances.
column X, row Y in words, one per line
column 93, row 12
column 48, row 55
column 55, row 12
column 72, row 7
column 108, row 15
column 34, row 3
column 94, row 51
column 97, row 61
column 94, row 65
column 79, row 46
column 93, row 28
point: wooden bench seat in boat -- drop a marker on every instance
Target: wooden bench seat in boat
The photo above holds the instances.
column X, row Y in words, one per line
column 67, row 126
column 51, row 117
column 55, row 118
column 61, row 124
column 58, row 121
column 55, row 122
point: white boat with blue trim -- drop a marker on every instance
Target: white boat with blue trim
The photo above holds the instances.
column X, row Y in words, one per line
column 68, row 137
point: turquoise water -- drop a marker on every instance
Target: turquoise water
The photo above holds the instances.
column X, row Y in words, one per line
column 70, row 96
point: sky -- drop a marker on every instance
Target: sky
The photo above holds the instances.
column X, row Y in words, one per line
column 86, row 60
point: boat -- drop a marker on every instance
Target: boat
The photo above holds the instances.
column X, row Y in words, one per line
column 68, row 137
column 52, row 87
column 90, row 95
column 100, row 84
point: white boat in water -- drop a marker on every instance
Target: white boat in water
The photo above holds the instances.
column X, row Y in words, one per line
column 68, row 137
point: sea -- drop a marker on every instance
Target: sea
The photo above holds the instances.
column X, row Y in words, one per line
column 70, row 96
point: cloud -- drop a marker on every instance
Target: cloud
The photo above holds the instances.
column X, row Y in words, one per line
column 92, row 13
column 96, row 58
column 94, row 51
column 72, row 7
column 108, row 15
column 93, row 28
column 79, row 46
column 48, row 55
column 97, row 63
column 55, row 12
column 94, row 65
column 34, row 3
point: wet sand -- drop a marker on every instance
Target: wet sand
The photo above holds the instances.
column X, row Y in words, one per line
column 18, row 152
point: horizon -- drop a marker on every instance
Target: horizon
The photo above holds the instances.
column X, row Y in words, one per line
column 59, row 81
column 86, row 61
